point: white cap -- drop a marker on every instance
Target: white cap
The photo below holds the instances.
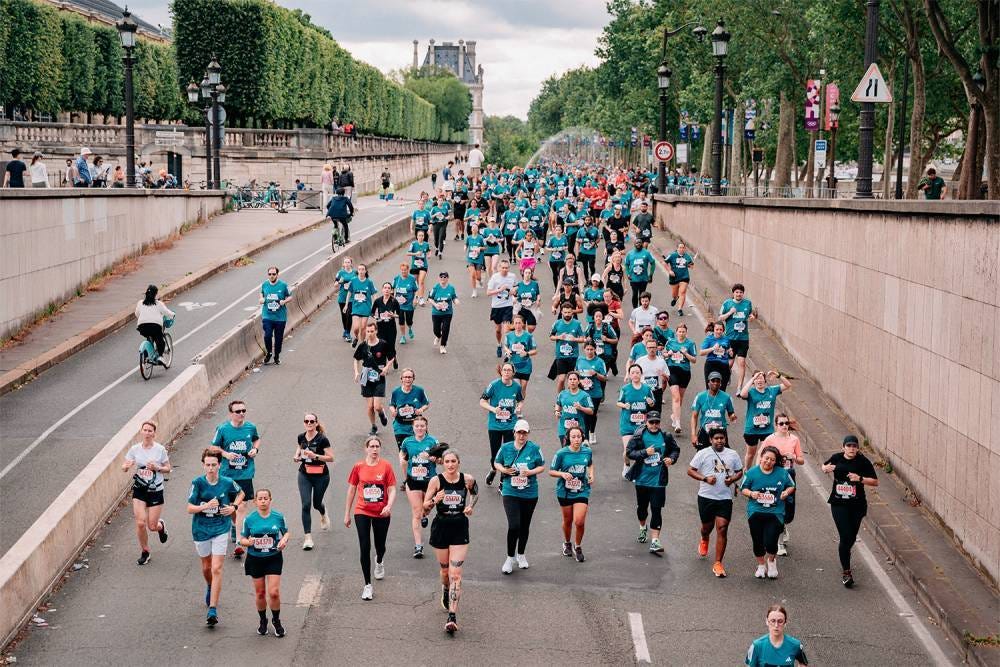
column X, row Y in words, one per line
column 596, row 276
column 522, row 425
column 85, row 151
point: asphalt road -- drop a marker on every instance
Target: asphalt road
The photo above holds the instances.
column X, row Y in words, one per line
column 53, row 426
column 556, row 612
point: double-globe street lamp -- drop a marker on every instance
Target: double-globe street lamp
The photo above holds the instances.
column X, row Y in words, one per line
column 127, row 29
column 663, row 83
column 720, row 47
column 831, row 179
column 214, row 92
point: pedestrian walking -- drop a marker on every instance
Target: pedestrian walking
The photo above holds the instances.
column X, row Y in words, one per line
column 39, row 172
column 13, row 176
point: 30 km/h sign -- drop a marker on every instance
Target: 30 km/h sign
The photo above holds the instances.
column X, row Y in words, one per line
column 663, row 151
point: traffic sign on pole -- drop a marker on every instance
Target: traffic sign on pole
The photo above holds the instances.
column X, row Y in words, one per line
column 872, row 87
column 663, row 151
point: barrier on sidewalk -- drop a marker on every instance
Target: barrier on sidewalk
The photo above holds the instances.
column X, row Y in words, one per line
column 35, row 563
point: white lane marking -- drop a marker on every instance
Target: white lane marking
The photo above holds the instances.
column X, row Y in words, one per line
column 309, row 594
column 638, row 637
column 75, row 411
column 195, row 305
column 905, row 611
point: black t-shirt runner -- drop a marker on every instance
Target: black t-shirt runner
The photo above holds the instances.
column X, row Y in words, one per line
column 373, row 357
column 846, row 492
column 318, row 445
column 385, row 314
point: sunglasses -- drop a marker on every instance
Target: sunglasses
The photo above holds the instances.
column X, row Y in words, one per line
column 309, row 421
column 783, row 423
column 240, row 412
column 271, row 273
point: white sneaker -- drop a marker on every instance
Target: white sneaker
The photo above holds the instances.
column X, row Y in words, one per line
column 784, row 535
column 444, row 350
column 437, row 342
column 772, row 569
column 474, row 295
column 367, row 593
column 761, row 572
column 508, row 566
column 379, row 572
column 676, row 424
column 782, row 549
column 593, row 439
column 625, row 471
column 522, row 562
column 324, row 522
column 307, row 543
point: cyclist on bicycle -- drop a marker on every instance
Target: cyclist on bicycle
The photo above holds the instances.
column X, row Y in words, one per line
column 341, row 210
column 149, row 314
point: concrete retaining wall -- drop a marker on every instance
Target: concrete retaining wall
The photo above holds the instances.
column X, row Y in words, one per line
column 54, row 241
column 36, row 561
column 894, row 308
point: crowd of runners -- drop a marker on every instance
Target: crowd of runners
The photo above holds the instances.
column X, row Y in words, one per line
column 612, row 346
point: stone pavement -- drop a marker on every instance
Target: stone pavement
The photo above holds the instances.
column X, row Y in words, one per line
column 194, row 257
column 956, row 595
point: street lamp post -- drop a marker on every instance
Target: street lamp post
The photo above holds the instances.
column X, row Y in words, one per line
column 663, row 82
column 720, row 47
column 215, row 83
column 866, row 121
column 206, row 94
column 831, row 179
column 126, row 31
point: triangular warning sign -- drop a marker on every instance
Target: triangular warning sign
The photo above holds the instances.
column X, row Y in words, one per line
column 872, row 87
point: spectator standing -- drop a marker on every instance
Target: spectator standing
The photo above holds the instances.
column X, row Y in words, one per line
column 13, row 176
column 347, row 182
column 39, row 172
column 476, row 159
column 69, row 177
column 82, row 177
column 100, row 172
column 118, row 179
column 326, row 183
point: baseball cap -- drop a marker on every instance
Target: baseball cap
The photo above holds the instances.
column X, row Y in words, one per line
column 522, row 425
column 652, row 416
column 443, row 274
column 596, row 276
column 850, row 439
column 715, row 375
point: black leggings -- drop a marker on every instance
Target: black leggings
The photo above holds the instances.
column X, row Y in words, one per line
column 649, row 501
column 312, row 488
column 590, row 421
column 155, row 332
column 345, row 317
column 638, row 287
column 442, row 327
column 848, row 519
column 790, row 501
column 556, row 268
column 510, row 245
column 497, row 438
column 764, row 531
column 518, row 511
column 367, row 525
column 275, row 329
column 589, row 265
column 440, row 232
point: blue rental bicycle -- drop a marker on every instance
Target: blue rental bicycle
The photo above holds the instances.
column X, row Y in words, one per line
column 149, row 359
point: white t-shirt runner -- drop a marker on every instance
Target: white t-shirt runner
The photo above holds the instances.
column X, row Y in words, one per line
column 644, row 317
column 157, row 454
column 721, row 464
column 505, row 297
column 651, row 370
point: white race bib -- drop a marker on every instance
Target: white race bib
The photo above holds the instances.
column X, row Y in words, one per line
column 452, row 499
column 418, row 472
column 519, row 481
column 766, row 499
column 263, row 544
column 372, row 494
column 845, row 490
column 761, row 421
column 144, row 474
column 574, row 484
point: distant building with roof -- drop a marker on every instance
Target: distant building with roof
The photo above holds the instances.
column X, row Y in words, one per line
column 108, row 13
column 460, row 60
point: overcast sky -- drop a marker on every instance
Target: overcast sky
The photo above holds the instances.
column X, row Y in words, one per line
column 520, row 43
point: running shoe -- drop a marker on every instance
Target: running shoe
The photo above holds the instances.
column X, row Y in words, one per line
column 409, row 332
column 232, row 533
column 324, row 521
column 673, row 302
column 402, row 340
column 367, row 592
column 143, row 558
column 522, row 562
column 508, row 565
column 437, row 341
column 346, row 336
column 277, row 360
column 267, row 358
column 785, row 535
column 642, row 535
column 444, row 350
column 490, row 476
column 782, row 549
column 474, row 295
column 423, row 522
column 379, row 572
column 499, row 351
column 567, row 548
column 395, row 364
column 761, row 572
column 718, row 570
column 279, row 629
column 354, row 342
column 307, row 543
column 212, row 619
column 373, row 430
column 451, row 627
column 418, row 551
column 676, row 423
column 444, row 598
column 162, row 532
column 680, row 313
column 382, row 418
column 847, row 579
column 579, row 554
column 238, row 552
column 625, row 471
column 655, row 546
column 593, row 439
column 262, row 627
column 703, row 547
column 772, row 569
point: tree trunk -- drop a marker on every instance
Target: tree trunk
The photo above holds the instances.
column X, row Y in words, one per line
column 980, row 162
column 917, row 161
column 784, row 159
column 957, row 176
column 887, row 161
column 736, row 158
column 706, row 156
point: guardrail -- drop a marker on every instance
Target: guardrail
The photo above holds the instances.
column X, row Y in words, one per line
column 762, row 190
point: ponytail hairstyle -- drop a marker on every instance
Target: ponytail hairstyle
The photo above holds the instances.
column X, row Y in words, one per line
column 319, row 425
column 150, row 298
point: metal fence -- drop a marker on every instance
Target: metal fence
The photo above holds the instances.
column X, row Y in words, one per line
column 763, row 190
column 275, row 198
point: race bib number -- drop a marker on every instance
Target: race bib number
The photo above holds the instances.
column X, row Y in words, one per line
column 526, row 301
column 373, row 375
column 613, row 278
column 418, row 472
column 588, row 245
column 587, row 384
column 651, row 381
column 452, row 499
column 518, row 349
column 740, row 327
column 599, row 348
column 570, row 423
column 401, row 298
column 528, row 253
column 761, row 421
column 359, row 297
column 263, row 544
column 845, row 490
column 519, row 482
column 681, row 263
column 372, row 494
column 419, row 263
column 144, row 474
column 238, row 462
column 557, row 255
column 565, row 349
column 652, row 460
column 473, row 252
column 766, row 499
column 406, row 412
column 273, row 306
column 210, row 511
column 710, row 425
column 638, row 269
column 503, row 415
column 677, row 356
column 504, row 294
column 441, row 305
column 638, row 418
column 574, row 484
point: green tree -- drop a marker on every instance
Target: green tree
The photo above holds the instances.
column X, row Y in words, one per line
column 509, row 141
column 450, row 97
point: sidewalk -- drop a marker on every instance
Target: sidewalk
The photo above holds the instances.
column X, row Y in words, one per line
column 190, row 260
column 955, row 595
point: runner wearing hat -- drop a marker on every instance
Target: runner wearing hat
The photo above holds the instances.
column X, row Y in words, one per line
column 652, row 451
column 443, row 299
column 520, row 462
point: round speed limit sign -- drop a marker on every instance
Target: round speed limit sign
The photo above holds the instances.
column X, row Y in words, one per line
column 663, row 151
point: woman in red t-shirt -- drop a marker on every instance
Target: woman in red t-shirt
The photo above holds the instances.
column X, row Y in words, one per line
column 373, row 481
